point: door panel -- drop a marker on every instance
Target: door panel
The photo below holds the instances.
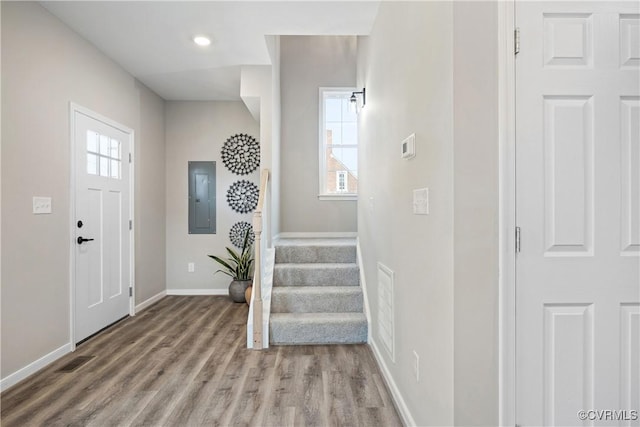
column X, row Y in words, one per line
column 578, row 207
column 102, row 263
column 630, row 167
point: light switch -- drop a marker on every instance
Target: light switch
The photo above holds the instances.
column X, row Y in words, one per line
column 421, row 201
column 41, row 205
column 191, row 267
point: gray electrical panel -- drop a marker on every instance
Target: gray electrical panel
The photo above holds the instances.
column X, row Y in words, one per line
column 202, row 197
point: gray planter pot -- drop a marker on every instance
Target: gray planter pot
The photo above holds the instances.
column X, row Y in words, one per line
column 237, row 288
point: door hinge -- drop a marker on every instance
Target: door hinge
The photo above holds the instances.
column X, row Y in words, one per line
column 516, row 41
column 130, row 291
column 130, row 225
column 517, row 239
column 129, row 157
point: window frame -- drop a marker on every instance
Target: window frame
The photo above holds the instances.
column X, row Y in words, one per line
column 322, row 148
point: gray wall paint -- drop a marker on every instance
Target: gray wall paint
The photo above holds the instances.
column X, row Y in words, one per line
column 150, row 213
column 45, row 66
column 197, row 131
column 475, row 89
column 435, row 75
column 307, row 63
column 407, row 71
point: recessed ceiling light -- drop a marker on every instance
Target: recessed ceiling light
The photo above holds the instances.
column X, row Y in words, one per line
column 202, row 40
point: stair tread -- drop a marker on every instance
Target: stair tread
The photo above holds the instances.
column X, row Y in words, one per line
column 337, row 317
column 315, row 242
column 329, row 289
column 311, row 265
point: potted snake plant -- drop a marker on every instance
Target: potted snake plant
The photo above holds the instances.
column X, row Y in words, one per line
column 239, row 267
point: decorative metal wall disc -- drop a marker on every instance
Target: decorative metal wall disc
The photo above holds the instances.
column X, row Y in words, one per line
column 237, row 232
column 241, row 154
column 242, row 196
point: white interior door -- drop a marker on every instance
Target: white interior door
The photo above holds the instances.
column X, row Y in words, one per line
column 578, row 207
column 102, row 235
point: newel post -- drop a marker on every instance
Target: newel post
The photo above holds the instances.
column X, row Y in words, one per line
column 257, row 282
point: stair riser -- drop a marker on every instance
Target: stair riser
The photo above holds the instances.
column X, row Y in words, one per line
column 334, row 333
column 293, row 276
column 316, row 303
column 316, row 254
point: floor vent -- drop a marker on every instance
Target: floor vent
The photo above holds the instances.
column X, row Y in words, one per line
column 385, row 309
column 75, row 363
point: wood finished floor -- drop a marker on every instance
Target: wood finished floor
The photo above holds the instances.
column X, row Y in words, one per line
column 184, row 362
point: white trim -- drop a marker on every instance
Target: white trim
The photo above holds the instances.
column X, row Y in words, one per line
column 363, row 285
column 150, row 301
column 73, row 109
column 34, row 367
column 340, row 197
column 132, row 234
column 507, row 215
column 322, row 166
column 190, row 292
column 398, row 400
column 317, row 235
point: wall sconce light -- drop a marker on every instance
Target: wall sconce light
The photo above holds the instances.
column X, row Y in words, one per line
column 353, row 101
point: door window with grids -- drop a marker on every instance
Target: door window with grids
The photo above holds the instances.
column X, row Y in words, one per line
column 338, row 142
column 103, row 155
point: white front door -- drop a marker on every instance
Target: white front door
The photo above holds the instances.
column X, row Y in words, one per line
column 578, row 208
column 102, row 236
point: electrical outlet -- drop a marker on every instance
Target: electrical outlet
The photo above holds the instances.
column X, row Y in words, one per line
column 191, row 267
column 416, row 365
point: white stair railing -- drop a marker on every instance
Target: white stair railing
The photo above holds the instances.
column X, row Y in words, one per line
column 261, row 276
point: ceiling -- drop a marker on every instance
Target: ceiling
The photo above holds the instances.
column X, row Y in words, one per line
column 153, row 40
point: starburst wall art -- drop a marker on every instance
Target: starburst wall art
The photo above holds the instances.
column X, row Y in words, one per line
column 241, row 154
column 237, row 232
column 242, row 196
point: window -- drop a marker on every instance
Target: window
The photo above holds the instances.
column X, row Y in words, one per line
column 338, row 142
column 341, row 181
column 103, row 155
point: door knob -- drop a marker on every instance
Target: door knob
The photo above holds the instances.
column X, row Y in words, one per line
column 82, row 240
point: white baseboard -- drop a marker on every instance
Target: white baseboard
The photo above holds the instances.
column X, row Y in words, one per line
column 144, row 304
column 398, row 400
column 197, row 292
column 34, row 367
column 317, row 235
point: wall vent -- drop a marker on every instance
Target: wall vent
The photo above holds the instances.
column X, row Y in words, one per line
column 386, row 309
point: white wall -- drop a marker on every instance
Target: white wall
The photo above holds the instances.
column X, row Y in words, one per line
column 407, row 71
column 435, row 75
column 475, row 90
column 256, row 91
column 0, row 165
column 45, row 66
column 273, row 43
column 196, row 131
column 307, row 63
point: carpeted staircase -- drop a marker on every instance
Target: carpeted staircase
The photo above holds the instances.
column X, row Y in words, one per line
column 316, row 296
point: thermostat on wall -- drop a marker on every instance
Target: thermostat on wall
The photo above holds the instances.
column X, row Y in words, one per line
column 409, row 147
